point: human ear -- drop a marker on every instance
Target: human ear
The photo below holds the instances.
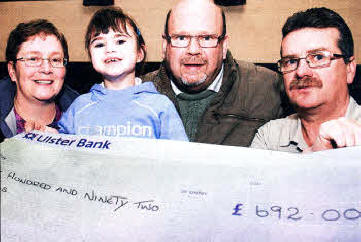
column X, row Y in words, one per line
column 225, row 46
column 164, row 46
column 12, row 71
column 141, row 53
column 351, row 70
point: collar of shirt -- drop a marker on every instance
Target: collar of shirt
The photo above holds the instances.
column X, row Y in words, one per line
column 353, row 110
column 215, row 86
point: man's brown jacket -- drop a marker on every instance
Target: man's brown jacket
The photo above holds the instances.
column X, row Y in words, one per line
column 250, row 96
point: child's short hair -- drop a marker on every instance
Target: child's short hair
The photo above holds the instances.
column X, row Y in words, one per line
column 114, row 18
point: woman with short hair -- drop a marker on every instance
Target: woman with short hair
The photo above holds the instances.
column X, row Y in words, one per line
column 36, row 56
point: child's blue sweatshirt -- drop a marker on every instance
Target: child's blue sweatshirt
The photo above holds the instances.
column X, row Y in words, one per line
column 137, row 111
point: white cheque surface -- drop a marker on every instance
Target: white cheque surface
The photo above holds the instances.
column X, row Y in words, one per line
column 72, row 188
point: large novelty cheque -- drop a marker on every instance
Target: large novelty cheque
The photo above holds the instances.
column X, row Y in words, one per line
column 83, row 188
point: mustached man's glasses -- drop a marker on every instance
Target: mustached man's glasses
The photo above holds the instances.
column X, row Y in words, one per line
column 204, row 41
column 36, row 61
column 318, row 59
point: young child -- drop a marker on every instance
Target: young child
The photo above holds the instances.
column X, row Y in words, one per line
column 122, row 105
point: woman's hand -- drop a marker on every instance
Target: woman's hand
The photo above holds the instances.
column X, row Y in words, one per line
column 31, row 125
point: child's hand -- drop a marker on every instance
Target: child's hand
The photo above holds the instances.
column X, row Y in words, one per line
column 31, row 125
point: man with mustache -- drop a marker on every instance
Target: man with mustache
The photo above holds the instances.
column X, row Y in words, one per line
column 317, row 63
column 220, row 100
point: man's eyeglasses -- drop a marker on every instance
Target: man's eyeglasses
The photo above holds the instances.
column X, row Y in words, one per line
column 35, row 61
column 204, row 41
column 317, row 59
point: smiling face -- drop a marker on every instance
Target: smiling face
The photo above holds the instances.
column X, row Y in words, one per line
column 38, row 84
column 314, row 87
column 195, row 68
column 115, row 54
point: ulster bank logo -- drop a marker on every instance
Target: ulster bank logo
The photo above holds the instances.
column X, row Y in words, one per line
column 30, row 136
